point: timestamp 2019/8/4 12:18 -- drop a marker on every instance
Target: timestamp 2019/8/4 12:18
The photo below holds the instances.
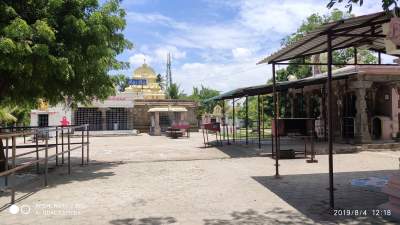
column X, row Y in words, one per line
column 362, row 212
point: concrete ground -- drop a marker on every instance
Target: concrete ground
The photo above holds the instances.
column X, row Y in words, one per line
column 144, row 180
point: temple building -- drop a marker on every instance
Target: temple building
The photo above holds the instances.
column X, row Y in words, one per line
column 142, row 107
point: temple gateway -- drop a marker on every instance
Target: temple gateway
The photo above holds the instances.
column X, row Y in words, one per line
column 143, row 107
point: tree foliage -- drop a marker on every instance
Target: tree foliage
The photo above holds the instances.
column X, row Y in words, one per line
column 121, row 82
column 200, row 95
column 386, row 4
column 301, row 71
column 339, row 56
column 174, row 92
column 53, row 49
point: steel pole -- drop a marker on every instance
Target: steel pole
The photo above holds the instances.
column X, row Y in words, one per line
column 46, row 159
column 223, row 120
column 56, row 146
column 37, row 150
column 69, row 152
column 62, row 145
column 14, row 183
column 247, row 120
column 83, row 145
column 233, row 122
column 88, row 144
column 259, row 121
column 379, row 58
column 6, row 163
column 330, row 132
column 275, row 123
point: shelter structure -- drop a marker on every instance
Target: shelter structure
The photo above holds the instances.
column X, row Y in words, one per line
column 177, row 116
column 368, row 94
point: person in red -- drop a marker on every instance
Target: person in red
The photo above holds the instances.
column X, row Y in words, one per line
column 64, row 121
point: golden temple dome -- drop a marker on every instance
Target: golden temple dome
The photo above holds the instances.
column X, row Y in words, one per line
column 144, row 71
column 145, row 85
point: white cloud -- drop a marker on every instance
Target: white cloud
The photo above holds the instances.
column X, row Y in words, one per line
column 156, row 57
column 154, row 18
column 277, row 16
column 222, row 77
column 139, row 58
column 241, row 53
column 161, row 53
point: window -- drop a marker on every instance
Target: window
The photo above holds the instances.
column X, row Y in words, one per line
column 43, row 120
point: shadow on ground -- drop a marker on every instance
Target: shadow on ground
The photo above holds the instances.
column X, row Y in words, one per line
column 144, row 221
column 271, row 217
column 239, row 149
column 28, row 182
column 308, row 194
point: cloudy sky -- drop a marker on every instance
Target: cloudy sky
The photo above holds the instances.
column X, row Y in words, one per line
column 215, row 43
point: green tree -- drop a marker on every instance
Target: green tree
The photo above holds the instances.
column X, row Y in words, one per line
column 339, row 56
column 200, row 95
column 174, row 92
column 386, row 4
column 302, row 71
column 253, row 110
column 59, row 49
column 6, row 116
column 121, row 82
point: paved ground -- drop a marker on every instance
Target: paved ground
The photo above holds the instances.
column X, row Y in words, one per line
column 155, row 180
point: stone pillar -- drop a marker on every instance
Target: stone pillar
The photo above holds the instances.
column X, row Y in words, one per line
column 362, row 134
column 157, row 128
column 339, row 109
column 395, row 111
column 103, row 118
column 130, row 119
column 323, row 113
column 183, row 117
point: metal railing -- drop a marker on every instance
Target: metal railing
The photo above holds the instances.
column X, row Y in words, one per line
column 62, row 133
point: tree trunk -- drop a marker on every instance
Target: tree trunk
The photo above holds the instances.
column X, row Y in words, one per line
column 2, row 156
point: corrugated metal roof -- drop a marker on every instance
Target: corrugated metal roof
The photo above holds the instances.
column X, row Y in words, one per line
column 281, row 86
column 315, row 42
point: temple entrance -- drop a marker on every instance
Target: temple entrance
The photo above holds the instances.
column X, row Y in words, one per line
column 349, row 113
column 117, row 119
column 165, row 121
column 377, row 128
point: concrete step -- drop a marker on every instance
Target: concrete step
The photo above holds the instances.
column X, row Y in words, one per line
column 379, row 149
column 386, row 146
